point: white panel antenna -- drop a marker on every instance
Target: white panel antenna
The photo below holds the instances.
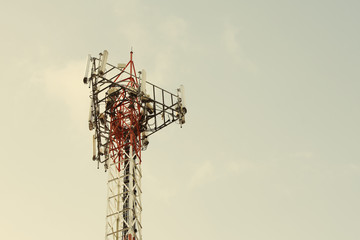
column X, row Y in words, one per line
column 143, row 81
column 91, row 116
column 181, row 105
column 103, row 62
column 182, row 96
column 86, row 77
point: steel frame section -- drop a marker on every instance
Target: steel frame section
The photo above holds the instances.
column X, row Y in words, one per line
column 124, row 205
column 123, row 115
column 123, row 218
column 158, row 108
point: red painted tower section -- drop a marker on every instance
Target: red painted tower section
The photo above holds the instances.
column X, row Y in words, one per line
column 125, row 114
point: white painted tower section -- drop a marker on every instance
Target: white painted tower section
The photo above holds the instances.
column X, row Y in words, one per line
column 124, row 208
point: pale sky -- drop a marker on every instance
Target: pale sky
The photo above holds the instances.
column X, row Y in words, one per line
column 270, row 150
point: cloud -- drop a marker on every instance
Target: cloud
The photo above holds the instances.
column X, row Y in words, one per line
column 202, row 174
column 65, row 84
column 155, row 35
column 302, row 155
column 162, row 191
column 230, row 38
column 231, row 41
column 236, row 166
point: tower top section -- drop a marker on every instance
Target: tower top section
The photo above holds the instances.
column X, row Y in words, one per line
column 125, row 108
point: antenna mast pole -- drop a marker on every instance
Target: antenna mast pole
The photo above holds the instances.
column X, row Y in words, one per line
column 123, row 116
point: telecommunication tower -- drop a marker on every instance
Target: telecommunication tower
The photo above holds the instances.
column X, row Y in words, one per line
column 125, row 110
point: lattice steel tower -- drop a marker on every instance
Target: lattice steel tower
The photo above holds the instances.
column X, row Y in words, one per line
column 123, row 115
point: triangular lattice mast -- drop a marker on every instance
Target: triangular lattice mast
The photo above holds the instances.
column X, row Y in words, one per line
column 123, row 115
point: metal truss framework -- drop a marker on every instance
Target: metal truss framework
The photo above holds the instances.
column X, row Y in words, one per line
column 123, row 115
